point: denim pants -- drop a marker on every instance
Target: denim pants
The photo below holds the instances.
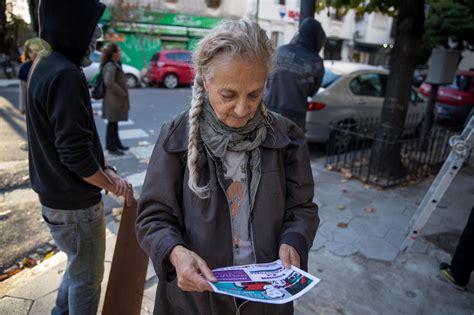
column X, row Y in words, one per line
column 81, row 235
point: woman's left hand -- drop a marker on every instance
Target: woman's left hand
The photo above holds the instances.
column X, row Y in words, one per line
column 289, row 256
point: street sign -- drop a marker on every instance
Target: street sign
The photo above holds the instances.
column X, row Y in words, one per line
column 282, row 11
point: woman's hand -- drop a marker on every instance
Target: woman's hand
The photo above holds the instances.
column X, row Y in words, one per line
column 289, row 256
column 192, row 271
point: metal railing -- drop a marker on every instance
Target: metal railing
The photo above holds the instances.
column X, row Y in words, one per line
column 357, row 151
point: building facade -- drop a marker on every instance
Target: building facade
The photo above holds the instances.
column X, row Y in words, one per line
column 147, row 26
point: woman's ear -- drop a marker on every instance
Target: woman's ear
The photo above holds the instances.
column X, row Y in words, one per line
column 204, row 83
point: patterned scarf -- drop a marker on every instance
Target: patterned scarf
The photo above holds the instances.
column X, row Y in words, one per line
column 219, row 138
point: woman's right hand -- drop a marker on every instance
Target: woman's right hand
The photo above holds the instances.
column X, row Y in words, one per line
column 192, row 271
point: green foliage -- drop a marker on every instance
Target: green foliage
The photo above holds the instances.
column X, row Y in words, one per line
column 448, row 19
column 388, row 7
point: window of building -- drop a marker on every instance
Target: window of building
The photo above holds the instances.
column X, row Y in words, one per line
column 280, row 2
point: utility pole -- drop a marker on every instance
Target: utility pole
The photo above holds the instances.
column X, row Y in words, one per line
column 257, row 11
column 307, row 9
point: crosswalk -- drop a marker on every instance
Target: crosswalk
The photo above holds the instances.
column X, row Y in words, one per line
column 141, row 151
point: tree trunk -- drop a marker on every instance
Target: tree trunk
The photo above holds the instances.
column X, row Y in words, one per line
column 409, row 30
column 3, row 25
column 307, row 9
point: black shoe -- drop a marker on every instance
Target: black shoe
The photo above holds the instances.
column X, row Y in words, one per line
column 445, row 270
column 115, row 152
column 122, row 147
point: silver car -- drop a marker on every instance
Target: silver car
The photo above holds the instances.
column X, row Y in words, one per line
column 132, row 74
column 349, row 92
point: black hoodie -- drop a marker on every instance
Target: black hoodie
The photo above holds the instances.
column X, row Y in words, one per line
column 64, row 146
column 298, row 72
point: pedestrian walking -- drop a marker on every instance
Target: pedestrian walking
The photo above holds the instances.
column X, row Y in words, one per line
column 31, row 47
column 116, row 104
column 66, row 161
column 204, row 203
column 462, row 264
column 298, row 73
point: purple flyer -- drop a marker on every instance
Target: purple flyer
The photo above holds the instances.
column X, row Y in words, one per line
column 231, row 275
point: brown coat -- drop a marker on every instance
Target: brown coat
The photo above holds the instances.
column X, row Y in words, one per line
column 170, row 214
column 116, row 104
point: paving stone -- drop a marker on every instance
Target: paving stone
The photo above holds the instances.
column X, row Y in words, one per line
column 363, row 226
column 333, row 215
column 319, row 242
column 377, row 248
column 396, row 236
column 44, row 304
column 341, row 249
column 346, row 235
column 327, row 230
column 420, row 246
column 14, row 306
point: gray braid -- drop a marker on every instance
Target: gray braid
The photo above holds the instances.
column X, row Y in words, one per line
column 193, row 151
column 244, row 39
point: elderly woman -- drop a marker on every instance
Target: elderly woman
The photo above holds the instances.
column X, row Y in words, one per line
column 229, row 183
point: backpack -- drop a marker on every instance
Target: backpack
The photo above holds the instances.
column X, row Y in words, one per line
column 98, row 91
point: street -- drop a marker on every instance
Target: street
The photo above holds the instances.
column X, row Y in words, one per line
column 23, row 230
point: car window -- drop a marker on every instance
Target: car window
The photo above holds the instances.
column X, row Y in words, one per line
column 460, row 83
column 184, row 57
column 172, row 56
column 369, row 84
column 329, row 78
column 95, row 57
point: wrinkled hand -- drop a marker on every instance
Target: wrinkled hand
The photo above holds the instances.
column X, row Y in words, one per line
column 289, row 256
column 120, row 187
column 192, row 271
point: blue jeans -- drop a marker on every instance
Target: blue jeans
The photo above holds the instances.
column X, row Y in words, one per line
column 81, row 235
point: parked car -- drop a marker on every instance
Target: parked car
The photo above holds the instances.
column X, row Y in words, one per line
column 171, row 68
column 350, row 92
column 131, row 73
column 454, row 102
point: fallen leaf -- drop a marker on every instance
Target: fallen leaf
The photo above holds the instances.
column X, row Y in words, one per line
column 329, row 167
column 369, row 209
column 27, row 263
column 341, row 207
column 49, row 255
column 347, row 175
column 342, row 225
column 366, row 186
column 379, row 188
column 344, row 180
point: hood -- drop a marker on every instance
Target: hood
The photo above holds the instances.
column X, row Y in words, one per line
column 310, row 35
column 68, row 25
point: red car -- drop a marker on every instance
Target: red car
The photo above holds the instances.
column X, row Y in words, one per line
column 454, row 102
column 171, row 68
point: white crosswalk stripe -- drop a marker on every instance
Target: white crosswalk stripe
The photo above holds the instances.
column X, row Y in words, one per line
column 122, row 123
column 136, row 179
column 142, row 153
column 128, row 134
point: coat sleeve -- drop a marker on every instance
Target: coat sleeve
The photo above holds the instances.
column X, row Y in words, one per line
column 109, row 74
column 72, row 123
column 301, row 214
column 159, row 223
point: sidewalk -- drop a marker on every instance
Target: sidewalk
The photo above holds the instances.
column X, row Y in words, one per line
column 358, row 260
column 355, row 252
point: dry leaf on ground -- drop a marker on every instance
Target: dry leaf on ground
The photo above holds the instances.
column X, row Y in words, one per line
column 369, row 209
column 342, row 225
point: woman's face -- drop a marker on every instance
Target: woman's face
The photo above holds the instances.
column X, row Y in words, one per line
column 117, row 56
column 235, row 88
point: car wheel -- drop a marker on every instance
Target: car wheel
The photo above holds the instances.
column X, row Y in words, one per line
column 170, row 81
column 132, row 81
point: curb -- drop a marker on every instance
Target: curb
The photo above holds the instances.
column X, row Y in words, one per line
column 9, row 82
column 14, row 174
column 27, row 275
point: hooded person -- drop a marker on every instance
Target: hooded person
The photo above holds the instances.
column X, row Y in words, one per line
column 298, row 73
column 66, row 162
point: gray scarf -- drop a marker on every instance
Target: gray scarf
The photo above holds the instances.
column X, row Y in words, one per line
column 219, row 138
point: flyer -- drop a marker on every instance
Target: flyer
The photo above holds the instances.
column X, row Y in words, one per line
column 267, row 283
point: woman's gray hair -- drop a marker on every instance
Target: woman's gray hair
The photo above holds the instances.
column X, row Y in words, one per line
column 240, row 39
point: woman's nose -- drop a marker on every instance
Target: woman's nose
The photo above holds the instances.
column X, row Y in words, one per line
column 242, row 108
